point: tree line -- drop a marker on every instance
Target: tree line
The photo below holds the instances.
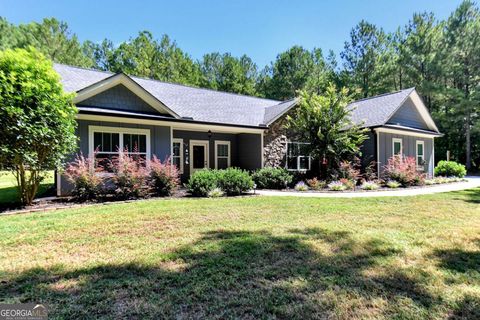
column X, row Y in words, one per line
column 439, row 57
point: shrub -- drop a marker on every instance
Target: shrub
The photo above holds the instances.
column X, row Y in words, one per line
column 369, row 185
column 370, row 171
column 234, row 181
column 392, row 184
column 164, row 177
column 349, row 184
column 450, row 169
column 403, row 170
column 336, row 186
column 272, row 178
column 129, row 176
column 87, row 183
column 349, row 170
column 201, row 182
column 316, row 184
column 215, row 193
column 301, row 186
column 430, row 182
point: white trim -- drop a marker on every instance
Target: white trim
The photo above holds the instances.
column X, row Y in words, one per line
column 59, row 183
column 205, row 143
column 128, row 82
column 262, row 164
column 432, row 165
column 174, row 126
column 417, row 143
column 120, row 131
column 178, row 140
column 393, row 145
column 222, row 142
column 377, row 134
column 405, row 132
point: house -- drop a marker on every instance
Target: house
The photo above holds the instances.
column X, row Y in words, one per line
column 201, row 128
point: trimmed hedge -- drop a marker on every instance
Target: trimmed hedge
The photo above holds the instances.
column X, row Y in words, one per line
column 234, row 181
column 201, row 182
column 272, row 178
column 450, row 169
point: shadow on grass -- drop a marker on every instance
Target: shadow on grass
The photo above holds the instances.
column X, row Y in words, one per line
column 459, row 260
column 470, row 195
column 235, row 274
column 9, row 196
column 466, row 308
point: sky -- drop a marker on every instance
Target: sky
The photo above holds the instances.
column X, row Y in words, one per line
column 259, row 29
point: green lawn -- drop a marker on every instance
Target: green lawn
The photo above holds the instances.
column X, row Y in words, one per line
column 252, row 257
column 8, row 189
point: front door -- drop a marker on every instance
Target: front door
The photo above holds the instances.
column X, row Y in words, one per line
column 199, row 155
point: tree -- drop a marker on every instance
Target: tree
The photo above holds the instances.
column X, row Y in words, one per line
column 38, row 119
column 54, row 39
column 324, row 121
column 289, row 73
column 462, row 65
column 227, row 73
column 145, row 56
column 362, row 58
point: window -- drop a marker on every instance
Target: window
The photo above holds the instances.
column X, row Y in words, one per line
column 107, row 143
column 420, row 147
column 177, row 154
column 222, row 154
column 397, row 146
column 298, row 157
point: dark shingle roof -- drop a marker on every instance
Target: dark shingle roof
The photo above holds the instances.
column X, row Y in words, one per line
column 199, row 104
column 376, row 111
column 228, row 108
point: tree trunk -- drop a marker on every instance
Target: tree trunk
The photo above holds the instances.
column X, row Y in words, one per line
column 468, row 162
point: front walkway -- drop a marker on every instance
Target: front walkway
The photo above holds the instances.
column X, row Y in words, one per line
column 472, row 182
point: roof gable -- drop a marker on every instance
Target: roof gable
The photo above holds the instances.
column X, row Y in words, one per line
column 380, row 110
column 119, row 97
column 130, row 84
column 409, row 116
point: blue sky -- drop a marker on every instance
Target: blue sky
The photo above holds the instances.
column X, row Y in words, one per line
column 260, row 29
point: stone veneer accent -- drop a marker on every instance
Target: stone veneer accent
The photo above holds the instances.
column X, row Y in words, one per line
column 275, row 143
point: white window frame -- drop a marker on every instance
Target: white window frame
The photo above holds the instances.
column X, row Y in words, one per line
column 417, row 143
column 298, row 159
column 121, row 131
column 222, row 142
column 178, row 140
column 400, row 140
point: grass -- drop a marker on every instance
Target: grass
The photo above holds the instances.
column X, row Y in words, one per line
column 252, row 257
column 8, row 188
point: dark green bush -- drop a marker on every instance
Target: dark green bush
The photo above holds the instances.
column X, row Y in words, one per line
column 234, row 181
column 202, row 182
column 272, row 178
column 450, row 169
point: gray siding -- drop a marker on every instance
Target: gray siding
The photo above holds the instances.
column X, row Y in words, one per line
column 250, row 151
column 201, row 135
column 408, row 116
column 369, row 149
column 409, row 145
column 119, row 98
column 160, row 141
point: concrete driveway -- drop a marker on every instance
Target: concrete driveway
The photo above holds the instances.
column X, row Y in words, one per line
column 472, row 182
